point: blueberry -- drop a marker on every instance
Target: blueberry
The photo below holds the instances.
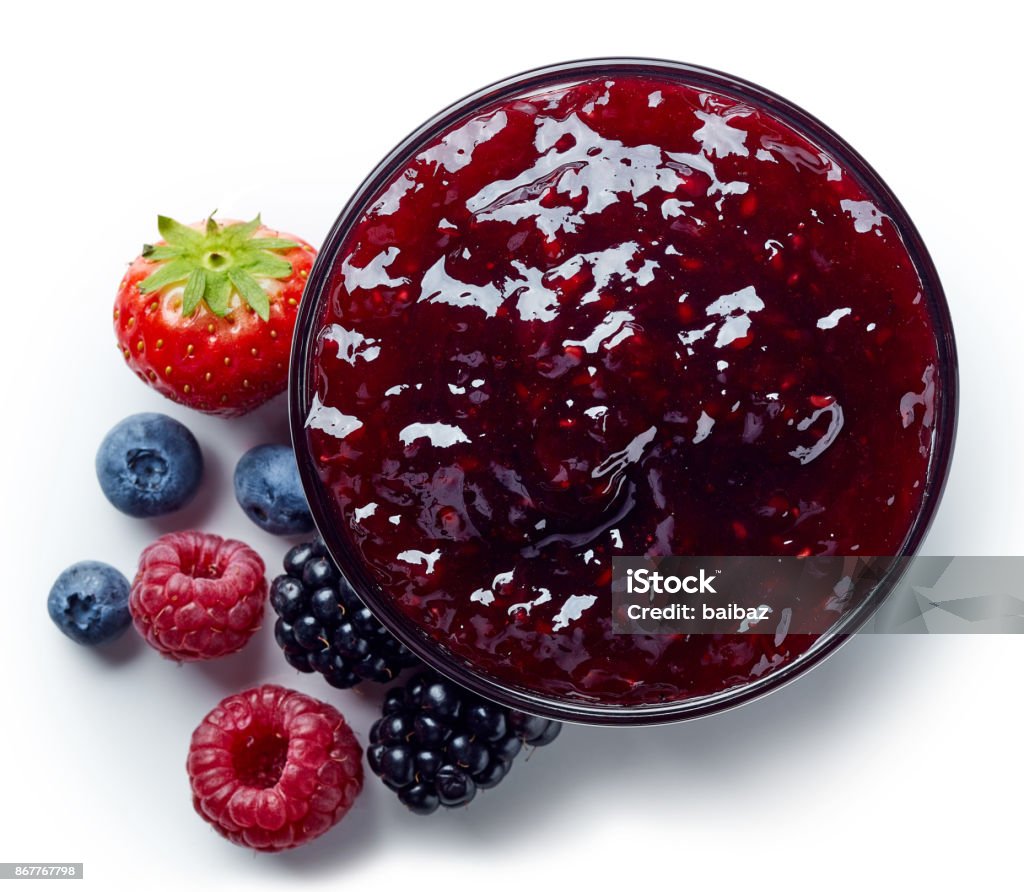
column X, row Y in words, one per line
column 149, row 464
column 268, row 488
column 89, row 602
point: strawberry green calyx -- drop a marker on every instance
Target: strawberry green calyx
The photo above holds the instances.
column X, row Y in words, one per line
column 215, row 263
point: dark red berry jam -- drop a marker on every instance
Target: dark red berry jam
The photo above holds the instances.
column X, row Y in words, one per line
column 615, row 315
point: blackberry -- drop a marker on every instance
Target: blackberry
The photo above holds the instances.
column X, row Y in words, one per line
column 323, row 626
column 437, row 744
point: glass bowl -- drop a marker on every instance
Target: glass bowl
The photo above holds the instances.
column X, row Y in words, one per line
column 432, row 649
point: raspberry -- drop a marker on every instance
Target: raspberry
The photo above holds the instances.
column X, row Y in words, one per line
column 437, row 744
column 272, row 769
column 197, row 596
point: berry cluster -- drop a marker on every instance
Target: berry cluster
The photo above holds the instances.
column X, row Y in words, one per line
column 323, row 626
column 270, row 768
column 437, row 743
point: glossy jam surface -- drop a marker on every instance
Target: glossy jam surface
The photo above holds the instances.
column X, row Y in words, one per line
column 622, row 316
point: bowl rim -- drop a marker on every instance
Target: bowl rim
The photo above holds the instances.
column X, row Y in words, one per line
column 431, row 651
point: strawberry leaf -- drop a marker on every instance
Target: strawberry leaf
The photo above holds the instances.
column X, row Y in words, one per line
column 251, row 292
column 218, row 293
column 215, row 262
column 271, row 244
column 160, row 252
column 237, row 233
column 194, row 289
column 178, row 234
column 267, row 265
column 171, row 272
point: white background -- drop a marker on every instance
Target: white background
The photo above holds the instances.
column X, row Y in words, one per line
column 897, row 760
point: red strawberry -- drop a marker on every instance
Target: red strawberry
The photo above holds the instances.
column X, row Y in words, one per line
column 206, row 315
